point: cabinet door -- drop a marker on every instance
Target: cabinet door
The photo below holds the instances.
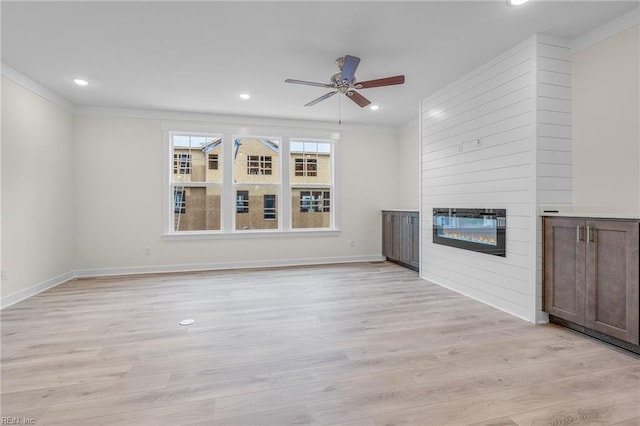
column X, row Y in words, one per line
column 387, row 234
column 415, row 240
column 391, row 235
column 612, row 279
column 406, row 250
column 564, row 268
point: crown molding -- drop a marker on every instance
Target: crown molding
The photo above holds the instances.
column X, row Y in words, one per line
column 229, row 119
column 607, row 30
column 29, row 84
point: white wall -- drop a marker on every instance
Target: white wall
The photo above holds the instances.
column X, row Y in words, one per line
column 119, row 204
column 606, row 151
column 37, row 193
column 495, row 103
column 408, row 167
column 499, row 137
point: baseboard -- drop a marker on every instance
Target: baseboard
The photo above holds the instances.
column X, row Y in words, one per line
column 542, row 317
column 14, row 298
column 156, row 269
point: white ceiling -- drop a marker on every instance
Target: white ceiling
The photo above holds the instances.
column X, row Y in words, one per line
column 197, row 56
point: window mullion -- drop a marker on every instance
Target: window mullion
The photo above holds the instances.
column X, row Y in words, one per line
column 228, row 204
column 285, row 185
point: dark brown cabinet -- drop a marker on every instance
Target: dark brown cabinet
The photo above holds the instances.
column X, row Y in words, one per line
column 591, row 274
column 400, row 237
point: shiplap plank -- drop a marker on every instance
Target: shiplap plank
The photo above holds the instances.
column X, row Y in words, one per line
column 555, row 65
column 546, row 50
column 554, row 130
column 552, row 91
column 554, row 197
column 555, row 170
column 554, row 104
column 554, row 144
column 554, row 117
column 554, row 78
column 555, row 157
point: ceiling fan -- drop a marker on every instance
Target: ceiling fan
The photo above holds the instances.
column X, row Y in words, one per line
column 345, row 82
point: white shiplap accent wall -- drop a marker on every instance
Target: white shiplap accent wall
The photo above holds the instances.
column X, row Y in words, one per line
column 554, row 180
column 481, row 147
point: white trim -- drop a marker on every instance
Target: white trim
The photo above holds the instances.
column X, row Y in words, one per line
column 90, row 273
column 24, row 81
column 237, row 234
column 21, row 295
column 420, row 201
column 542, row 317
column 606, row 30
column 253, row 121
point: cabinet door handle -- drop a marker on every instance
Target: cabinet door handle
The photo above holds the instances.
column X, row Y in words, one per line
column 579, row 234
column 590, row 234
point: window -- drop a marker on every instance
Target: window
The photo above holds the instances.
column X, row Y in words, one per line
column 196, row 188
column 213, row 161
column 242, row 201
column 181, row 163
column 306, row 167
column 229, row 184
column 259, row 165
column 269, row 206
column 256, row 173
column 311, row 184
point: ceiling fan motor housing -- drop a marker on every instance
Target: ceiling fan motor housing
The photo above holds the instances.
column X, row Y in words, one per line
column 344, row 82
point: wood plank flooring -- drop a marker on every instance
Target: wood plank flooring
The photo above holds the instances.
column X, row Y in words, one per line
column 354, row 344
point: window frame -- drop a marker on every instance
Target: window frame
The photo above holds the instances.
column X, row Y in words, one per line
column 228, row 202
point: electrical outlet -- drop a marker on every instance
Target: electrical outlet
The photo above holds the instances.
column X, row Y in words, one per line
column 478, row 141
column 352, row 243
column 147, row 251
column 3, row 275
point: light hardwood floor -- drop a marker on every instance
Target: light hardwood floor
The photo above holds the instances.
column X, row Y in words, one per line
column 356, row 344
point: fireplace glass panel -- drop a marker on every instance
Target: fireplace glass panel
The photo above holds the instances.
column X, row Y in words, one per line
column 481, row 230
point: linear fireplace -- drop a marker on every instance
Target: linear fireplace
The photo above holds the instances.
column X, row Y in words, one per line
column 481, row 230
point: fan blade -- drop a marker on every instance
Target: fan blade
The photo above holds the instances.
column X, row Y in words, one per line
column 321, row 98
column 307, row 83
column 348, row 73
column 358, row 98
column 388, row 81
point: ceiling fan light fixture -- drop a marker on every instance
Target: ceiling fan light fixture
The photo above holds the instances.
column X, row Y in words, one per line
column 374, row 107
column 244, row 96
column 80, row 82
column 516, row 2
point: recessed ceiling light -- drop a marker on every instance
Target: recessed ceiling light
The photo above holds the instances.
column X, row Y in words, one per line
column 516, row 2
column 374, row 107
column 80, row 82
column 245, row 96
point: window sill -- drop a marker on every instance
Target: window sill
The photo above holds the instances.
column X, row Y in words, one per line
column 215, row 235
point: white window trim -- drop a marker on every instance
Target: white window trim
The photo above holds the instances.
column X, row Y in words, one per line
column 227, row 218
